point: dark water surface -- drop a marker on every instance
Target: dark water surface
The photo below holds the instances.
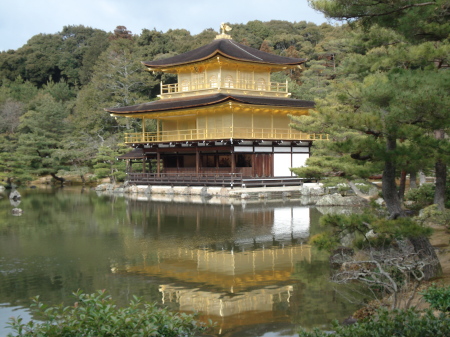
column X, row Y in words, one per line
column 245, row 265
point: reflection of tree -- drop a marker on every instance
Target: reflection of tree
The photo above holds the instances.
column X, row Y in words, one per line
column 63, row 242
column 319, row 299
column 314, row 222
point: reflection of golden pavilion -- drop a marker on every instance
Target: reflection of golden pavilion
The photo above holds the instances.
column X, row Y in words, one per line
column 233, row 273
column 218, row 304
column 247, row 281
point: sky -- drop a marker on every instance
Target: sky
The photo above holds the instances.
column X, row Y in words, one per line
column 22, row 19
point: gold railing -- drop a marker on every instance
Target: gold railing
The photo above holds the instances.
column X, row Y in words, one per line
column 222, row 133
column 241, row 84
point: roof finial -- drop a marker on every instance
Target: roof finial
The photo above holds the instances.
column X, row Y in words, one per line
column 224, row 28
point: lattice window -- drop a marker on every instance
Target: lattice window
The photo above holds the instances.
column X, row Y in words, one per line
column 213, row 82
column 228, row 82
column 185, row 85
column 261, row 84
column 198, row 81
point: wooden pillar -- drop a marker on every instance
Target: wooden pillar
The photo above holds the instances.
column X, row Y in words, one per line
column 263, row 164
column 253, row 163
column 272, row 164
column 233, row 161
column 216, row 160
column 158, row 163
column 197, row 161
column 143, row 164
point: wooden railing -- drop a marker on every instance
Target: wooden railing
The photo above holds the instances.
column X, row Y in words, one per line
column 209, row 179
column 241, row 84
column 188, row 179
column 222, row 133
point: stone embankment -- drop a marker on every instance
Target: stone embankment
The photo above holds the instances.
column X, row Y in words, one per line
column 310, row 193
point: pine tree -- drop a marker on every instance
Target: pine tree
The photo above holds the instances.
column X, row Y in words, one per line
column 391, row 91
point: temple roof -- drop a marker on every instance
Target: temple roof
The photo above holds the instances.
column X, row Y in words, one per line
column 227, row 48
column 206, row 100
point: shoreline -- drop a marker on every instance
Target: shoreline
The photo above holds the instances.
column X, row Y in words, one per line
column 308, row 194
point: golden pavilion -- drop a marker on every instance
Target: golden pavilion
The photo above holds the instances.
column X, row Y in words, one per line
column 223, row 123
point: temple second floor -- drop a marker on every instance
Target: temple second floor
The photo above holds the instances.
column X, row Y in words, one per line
column 217, row 117
column 243, row 124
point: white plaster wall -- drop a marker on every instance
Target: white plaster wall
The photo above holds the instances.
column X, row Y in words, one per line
column 282, row 163
column 299, row 159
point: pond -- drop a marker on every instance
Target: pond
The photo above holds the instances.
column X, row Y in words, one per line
column 245, row 264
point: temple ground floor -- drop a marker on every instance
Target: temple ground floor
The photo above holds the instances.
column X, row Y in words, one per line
column 194, row 163
column 248, row 159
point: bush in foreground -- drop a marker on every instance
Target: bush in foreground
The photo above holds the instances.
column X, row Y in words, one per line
column 97, row 315
column 410, row 323
column 387, row 323
column 438, row 297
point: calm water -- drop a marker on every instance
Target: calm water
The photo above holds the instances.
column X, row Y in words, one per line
column 245, row 266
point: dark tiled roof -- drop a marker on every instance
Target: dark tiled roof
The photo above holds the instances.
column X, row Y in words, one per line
column 199, row 101
column 227, row 48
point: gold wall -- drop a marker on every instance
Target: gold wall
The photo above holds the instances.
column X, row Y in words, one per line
column 215, row 77
column 224, row 120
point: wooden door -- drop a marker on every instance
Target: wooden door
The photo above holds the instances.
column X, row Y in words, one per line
column 263, row 165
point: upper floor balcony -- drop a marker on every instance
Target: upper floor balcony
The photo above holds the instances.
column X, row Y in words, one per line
column 258, row 87
column 220, row 134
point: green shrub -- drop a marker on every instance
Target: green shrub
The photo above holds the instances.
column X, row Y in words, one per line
column 334, row 181
column 339, row 226
column 422, row 196
column 438, row 297
column 120, row 176
column 386, row 323
column 97, row 315
column 309, row 172
column 432, row 214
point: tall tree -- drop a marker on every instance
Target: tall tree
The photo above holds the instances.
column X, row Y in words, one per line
column 380, row 94
column 42, row 129
column 80, row 49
